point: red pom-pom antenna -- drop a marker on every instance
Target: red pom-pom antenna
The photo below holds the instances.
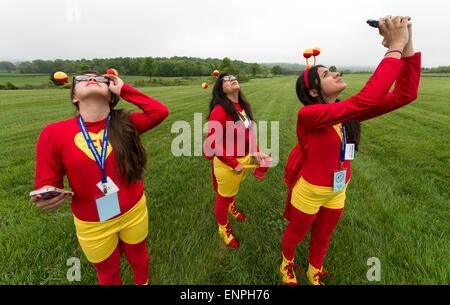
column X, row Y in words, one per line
column 204, row 85
column 112, row 72
column 308, row 53
column 316, row 51
column 216, row 73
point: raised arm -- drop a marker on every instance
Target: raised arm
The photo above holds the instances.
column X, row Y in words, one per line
column 405, row 90
column 372, row 96
column 325, row 115
column 406, row 87
column 154, row 112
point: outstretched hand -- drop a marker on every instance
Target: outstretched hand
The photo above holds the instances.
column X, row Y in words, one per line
column 50, row 204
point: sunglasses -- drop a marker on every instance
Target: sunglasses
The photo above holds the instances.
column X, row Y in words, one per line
column 229, row 78
column 85, row 78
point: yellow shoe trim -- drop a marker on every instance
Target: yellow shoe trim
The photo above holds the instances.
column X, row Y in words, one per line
column 311, row 273
column 287, row 279
column 227, row 238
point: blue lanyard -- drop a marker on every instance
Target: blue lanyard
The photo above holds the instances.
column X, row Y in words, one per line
column 99, row 159
column 244, row 119
column 343, row 143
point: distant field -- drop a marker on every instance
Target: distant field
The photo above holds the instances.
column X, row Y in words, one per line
column 436, row 74
column 397, row 206
column 20, row 80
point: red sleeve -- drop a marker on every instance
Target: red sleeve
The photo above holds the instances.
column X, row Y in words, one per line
column 371, row 96
column 219, row 115
column 405, row 90
column 154, row 111
column 49, row 166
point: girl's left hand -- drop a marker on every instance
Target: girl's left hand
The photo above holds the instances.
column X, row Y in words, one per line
column 259, row 156
column 115, row 84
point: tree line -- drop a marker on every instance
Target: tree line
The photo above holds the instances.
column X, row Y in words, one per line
column 441, row 69
column 159, row 66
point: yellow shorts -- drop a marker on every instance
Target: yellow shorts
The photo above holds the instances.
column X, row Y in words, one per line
column 308, row 197
column 99, row 240
column 227, row 180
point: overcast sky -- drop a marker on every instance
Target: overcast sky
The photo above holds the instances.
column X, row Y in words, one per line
column 248, row 30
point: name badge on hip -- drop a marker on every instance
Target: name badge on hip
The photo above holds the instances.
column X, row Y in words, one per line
column 339, row 180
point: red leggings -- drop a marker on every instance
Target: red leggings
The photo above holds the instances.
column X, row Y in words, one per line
column 221, row 208
column 323, row 224
column 108, row 271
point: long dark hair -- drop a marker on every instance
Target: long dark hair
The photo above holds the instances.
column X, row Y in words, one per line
column 220, row 98
column 130, row 154
column 353, row 127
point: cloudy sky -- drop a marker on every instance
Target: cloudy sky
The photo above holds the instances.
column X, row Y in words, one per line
column 248, row 30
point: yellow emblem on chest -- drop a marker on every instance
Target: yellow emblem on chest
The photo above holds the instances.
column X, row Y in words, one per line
column 97, row 139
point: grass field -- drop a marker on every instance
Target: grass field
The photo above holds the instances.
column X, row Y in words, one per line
column 397, row 206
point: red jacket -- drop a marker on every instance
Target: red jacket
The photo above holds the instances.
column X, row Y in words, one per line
column 319, row 143
column 60, row 152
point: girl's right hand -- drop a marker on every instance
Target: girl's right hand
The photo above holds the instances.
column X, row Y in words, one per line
column 394, row 31
column 238, row 169
column 51, row 204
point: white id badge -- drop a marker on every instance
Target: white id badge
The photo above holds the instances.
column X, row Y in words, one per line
column 349, row 151
column 110, row 186
column 108, row 206
column 246, row 123
column 339, row 180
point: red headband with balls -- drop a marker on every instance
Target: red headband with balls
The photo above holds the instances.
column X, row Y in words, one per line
column 62, row 77
column 216, row 74
column 307, row 54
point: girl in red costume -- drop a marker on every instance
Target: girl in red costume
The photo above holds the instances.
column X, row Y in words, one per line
column 109, row 205
column 318, row 169
column 229, row 145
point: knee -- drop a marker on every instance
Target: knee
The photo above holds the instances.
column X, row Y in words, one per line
column 294, row 235
column 136, row 253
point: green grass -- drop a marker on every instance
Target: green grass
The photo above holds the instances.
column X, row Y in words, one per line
column 397, row 206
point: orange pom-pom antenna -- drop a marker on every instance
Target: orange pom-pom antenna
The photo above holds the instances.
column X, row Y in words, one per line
column 204, row 85
column 216, row 73
column 60, row 77
column 112, row 72
column 316, row 52
column 307, row 54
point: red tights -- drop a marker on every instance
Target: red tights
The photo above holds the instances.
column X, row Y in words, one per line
column 108, row 271
column 323, row 224
column 221, row 208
